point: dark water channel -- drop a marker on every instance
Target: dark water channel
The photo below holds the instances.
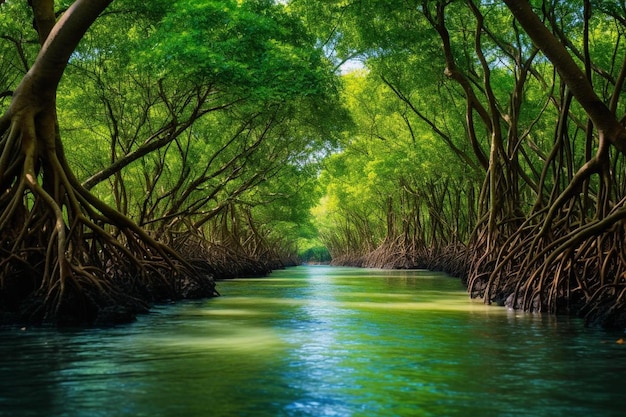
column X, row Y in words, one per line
column 319, row 341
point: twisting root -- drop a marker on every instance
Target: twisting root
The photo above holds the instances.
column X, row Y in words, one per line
column 565, row 268
column 64, row 255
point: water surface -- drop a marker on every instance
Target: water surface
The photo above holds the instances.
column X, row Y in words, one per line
column 319, row 341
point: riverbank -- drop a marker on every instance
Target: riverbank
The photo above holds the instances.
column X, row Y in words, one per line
column 120, row 296
column 458, row 261
column 453, row 259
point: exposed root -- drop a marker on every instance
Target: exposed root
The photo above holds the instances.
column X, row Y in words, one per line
column 65, row 257
column 223, row 261
column 567, row 268
column 402, row 253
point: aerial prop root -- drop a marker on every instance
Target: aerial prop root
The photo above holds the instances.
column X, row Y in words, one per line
column 566, row 273
column 69, row 237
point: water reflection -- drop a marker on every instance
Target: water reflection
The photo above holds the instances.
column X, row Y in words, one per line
column 319, row 342
column 316, row 368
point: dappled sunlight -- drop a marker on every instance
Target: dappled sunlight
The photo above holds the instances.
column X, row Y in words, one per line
column 239, row 339
column 232, row 312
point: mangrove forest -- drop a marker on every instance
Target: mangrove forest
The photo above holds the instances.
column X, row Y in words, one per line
column 149, row 150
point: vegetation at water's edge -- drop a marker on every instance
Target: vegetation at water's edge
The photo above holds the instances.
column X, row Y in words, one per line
column 148, row 149
column 489, row 141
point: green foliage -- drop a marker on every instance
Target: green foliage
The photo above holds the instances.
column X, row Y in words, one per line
column 248, row 93
column 237, row 100
column 388, row 169
column 314, row 252
column 18, row 45
column 253, row 47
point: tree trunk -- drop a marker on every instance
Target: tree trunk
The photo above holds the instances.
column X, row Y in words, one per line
column 604, row 120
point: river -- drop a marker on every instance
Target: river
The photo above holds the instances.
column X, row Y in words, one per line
column 319, row 341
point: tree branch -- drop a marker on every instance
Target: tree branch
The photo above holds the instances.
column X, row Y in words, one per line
column 45, row 74
column 603, row 119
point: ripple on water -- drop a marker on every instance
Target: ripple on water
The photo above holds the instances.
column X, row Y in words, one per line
column 319, row 341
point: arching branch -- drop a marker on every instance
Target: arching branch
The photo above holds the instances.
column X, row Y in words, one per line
column 603, row 119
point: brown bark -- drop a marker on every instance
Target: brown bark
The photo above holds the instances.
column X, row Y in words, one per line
column 604, row 120
column 452, row 71
column 567, row 255
column 61, row 41
column 64, row 255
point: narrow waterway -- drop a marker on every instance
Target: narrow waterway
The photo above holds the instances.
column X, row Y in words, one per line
column 319, row 341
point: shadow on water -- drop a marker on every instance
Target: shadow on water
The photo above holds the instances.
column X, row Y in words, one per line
column 319, row 341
